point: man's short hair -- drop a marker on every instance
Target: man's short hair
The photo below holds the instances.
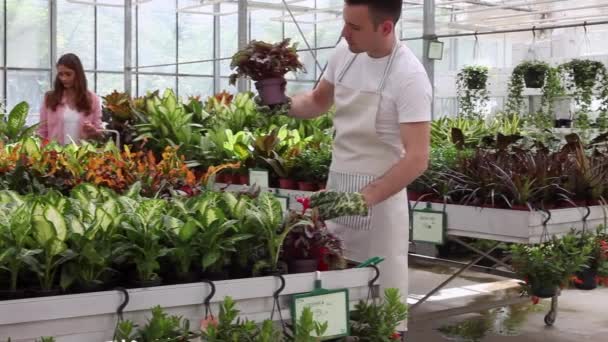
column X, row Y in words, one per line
column 381, row 10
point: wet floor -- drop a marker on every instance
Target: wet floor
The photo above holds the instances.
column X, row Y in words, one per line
column 581, row 315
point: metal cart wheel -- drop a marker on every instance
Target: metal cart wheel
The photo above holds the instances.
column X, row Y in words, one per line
column 552, row 315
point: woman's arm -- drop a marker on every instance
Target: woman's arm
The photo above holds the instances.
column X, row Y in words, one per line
column 43, row 128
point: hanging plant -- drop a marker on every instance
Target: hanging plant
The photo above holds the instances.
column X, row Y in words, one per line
column 531, row 74
column 583, row 77
column 473, row 94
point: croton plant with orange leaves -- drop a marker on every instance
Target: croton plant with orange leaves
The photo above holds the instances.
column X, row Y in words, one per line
column 63, row 168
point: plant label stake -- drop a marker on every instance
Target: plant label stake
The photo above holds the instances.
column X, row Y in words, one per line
column 327, row 306
column 429, row 226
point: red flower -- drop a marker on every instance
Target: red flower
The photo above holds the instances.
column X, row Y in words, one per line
column 395, row 336
column 576, row 280
column 305, row 202
column 535, row 300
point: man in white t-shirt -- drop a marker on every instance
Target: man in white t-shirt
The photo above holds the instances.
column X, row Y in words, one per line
column 382, row 135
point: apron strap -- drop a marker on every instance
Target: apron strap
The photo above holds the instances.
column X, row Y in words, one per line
column 389, row 65
column 346, row 67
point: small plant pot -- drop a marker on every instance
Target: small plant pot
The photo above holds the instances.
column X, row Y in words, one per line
column 563, row 123
column 188, row 277
column 303, row 265
column 220, row 177
column 413, row 195
column 46, row 293
column 534, row 78
column 588, row 278
column 148, row 283
column 10, row 295
column 307, row 186
column 243, row 179
column 272, row 90
column 543, row 292
column 91, row 287
column 520, row 207
column 321, row 186
column 216, row 275
column 288, row 184
column 476, row 81
column 235, row 179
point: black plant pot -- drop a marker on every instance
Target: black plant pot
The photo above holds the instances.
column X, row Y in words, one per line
column 188, row 277
column 10, row 295
column 544, row 292
column 534, row 78
column 216, row 275
column 563, row 123
column 588, row 278
column 46, row 293
column 476, row 80
column 148, row 283
column 303, row 265
column 91, row 287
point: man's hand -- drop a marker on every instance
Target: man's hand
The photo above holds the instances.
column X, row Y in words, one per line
column 279, row 109
column 332, row 204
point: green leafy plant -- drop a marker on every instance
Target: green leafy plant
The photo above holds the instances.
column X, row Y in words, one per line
column 531, row 74
column 549, row 265
column 260, row 60
column 583, row 77
column 307, row 329
column 12, row 127
column 15, row 231
column 228, row 327
column 377, row 322
column 472, row 89
column 160, row 327
column 142, row 226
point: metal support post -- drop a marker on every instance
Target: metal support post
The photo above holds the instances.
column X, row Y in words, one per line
column 128, row 45
column 243, row 39
column 429, row 35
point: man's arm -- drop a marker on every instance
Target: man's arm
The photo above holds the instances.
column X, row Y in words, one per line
column 314, row 103
column 416, row 140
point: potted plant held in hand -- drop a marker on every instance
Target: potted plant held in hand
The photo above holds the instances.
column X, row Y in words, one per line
column 266, row 64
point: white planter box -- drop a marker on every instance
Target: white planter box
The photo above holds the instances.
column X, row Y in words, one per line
column 92, row 317
column 514, row 225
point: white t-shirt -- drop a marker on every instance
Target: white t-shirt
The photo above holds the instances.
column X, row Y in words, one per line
column 407, row 93
column 71, row 125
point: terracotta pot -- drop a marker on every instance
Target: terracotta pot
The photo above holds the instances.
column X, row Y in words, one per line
column 413, row 195
column 520, row 207
column 235, row 179
column 272, row 90
column 303, row 265
column 307, row 186
column 288, row 184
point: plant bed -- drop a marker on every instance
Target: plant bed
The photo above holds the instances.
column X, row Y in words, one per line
column 513, row 225
column 92, row 316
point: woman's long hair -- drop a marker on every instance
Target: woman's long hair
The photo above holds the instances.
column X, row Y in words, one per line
column 82, row 99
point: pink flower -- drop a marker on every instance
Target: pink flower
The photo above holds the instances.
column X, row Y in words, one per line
column 535, row 300
column 208, row 321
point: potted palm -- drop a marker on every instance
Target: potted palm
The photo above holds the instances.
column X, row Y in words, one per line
column 266, row 64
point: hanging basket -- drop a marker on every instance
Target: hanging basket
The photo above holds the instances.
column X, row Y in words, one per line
column 477, row 80
column 544, row 292
column 535, row 78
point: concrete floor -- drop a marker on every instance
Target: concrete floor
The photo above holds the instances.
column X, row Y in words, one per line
column 582, row 315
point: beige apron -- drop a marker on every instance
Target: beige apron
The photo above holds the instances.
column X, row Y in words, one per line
column 358, row 158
